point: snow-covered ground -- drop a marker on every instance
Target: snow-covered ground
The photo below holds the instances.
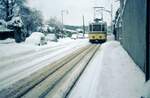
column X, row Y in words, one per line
column 20, row 60
column 111, row 74
column 9, row 48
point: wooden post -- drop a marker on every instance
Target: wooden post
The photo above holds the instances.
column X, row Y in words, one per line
column 83, row 26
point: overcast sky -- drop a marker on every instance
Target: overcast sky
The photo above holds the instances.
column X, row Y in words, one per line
column 76, row 9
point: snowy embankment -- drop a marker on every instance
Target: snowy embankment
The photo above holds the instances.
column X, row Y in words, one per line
column 111, row 74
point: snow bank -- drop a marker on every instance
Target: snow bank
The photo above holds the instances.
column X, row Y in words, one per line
column 35, row 38
column 146, row 90
column 67, row 39
column 110, row 37
column 6, row 41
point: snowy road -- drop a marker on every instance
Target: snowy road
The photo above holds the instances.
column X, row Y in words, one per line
column 42, row 82
column 22, row 65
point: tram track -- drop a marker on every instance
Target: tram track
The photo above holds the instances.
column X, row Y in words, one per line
column 65, row 85
column 40, row 83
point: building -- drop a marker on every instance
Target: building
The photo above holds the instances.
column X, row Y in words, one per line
column 130, row 28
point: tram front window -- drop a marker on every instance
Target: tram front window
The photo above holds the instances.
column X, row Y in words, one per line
column 96, row 28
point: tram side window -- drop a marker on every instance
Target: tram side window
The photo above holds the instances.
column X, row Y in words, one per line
column 104, row 28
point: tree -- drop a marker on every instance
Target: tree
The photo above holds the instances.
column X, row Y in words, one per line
column 10, row 8
column 56, row 24
column 7, row 7
column 13, row 8
column 15, row 12
column 32, row 18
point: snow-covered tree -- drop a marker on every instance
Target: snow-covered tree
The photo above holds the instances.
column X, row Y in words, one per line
column 19, row 17
column 54, row 22
column 17, row 8
column 9, row 8
column 33, row 20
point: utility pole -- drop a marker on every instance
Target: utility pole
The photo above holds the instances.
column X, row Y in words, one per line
column 111, row 18
column 62, row 19
column 83, row 26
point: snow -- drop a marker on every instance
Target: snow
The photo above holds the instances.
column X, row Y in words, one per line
column 16, row 22
column 35, row 38
column 51, row 37
column 65, row 39
column 28, row 46
column 146, row 90
column 110, row 37
column 110, row 74
column 12, row 50
column 26, row 58
column 8, row 40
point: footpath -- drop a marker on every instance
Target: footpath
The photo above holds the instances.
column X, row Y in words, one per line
column 111, row 74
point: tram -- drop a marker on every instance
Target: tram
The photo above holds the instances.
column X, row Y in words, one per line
column 98, row 31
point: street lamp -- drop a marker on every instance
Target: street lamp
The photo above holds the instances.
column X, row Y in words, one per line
column 62, row 17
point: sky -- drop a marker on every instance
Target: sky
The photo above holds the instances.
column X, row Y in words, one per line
column 74, row 10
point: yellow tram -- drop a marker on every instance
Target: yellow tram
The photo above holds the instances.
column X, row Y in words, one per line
column 98, row 31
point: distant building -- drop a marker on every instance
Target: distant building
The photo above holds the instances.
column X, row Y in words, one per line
column 69, row 32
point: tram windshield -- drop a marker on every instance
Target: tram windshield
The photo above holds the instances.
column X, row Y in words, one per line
column 97, row 27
